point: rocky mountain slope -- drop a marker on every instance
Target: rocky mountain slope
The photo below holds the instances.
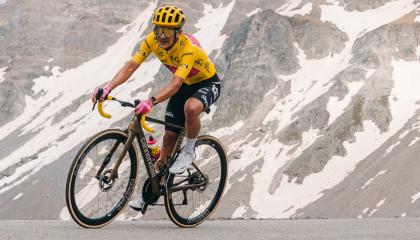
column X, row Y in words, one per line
column 319, row 109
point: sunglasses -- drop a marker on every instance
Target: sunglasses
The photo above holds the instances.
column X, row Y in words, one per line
column 167, row 32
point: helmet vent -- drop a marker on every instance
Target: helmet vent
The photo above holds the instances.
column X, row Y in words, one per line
column 158, row 18
column 177, row 17
column 169, row 19
column 164, row 17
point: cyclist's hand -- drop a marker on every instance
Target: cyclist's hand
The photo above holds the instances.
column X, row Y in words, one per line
column 96, row 95
column 143, row 107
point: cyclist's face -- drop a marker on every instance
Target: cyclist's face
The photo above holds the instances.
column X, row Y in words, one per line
column 165, row 36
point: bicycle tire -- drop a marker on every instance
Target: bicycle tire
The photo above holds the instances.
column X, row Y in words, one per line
column 171, row 202
column 75, row 208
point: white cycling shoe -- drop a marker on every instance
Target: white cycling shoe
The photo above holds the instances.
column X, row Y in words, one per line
column 137, row 204
column 182, row 162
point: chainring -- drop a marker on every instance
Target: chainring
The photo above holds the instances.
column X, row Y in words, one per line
column 147, row 193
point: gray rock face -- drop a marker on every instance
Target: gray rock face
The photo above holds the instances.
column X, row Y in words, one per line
column 81, row 30
column 362, row 5
column 263, row 48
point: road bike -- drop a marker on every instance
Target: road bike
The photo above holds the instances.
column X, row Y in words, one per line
column 103, row 175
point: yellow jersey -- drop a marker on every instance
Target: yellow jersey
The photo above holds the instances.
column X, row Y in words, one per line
column 185, row 59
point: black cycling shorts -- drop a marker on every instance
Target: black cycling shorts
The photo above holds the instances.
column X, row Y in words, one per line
column 206, row 91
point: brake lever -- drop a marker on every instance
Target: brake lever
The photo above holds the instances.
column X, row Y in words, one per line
column 97, row 96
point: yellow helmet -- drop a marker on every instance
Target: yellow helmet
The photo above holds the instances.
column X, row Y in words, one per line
column 169, row 16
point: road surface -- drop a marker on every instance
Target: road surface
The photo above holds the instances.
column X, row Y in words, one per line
column 320, row 229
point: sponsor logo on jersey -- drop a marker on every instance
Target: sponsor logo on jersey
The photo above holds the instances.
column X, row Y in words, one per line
column 175, row 59
column 187, row 54
column 183, row 65
column 141, row 52
column 182, row 44
column 199, row 61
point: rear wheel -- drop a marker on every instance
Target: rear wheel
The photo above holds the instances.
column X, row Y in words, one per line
column 93, row 199
column 202, row 186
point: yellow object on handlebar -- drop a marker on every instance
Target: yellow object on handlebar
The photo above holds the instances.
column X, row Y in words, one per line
column 106, row 115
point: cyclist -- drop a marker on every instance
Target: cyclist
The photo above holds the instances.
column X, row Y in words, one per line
column 194, row 86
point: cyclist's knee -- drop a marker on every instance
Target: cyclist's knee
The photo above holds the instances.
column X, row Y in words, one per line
column 193, row 107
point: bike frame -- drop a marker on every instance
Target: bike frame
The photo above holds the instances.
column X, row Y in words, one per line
column 135, row 131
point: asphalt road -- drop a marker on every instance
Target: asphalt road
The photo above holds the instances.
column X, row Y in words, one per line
column 343, row 229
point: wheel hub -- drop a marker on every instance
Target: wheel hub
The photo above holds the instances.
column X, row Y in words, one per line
column 105, row 184
column 197, row 178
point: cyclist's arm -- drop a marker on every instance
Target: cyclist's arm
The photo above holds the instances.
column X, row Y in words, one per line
column 169, row 90
column 128, row 69
column 124, row 74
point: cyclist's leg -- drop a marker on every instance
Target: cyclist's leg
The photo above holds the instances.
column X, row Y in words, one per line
column 168, row 144
column 198, row 102
column 203, row 97
column 192, row 110
column 175, row 115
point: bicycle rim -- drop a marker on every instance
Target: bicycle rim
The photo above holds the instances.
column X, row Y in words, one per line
column 194, row 206
column 93, row 202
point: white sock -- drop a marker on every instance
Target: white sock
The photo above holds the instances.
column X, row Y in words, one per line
column 189, row 146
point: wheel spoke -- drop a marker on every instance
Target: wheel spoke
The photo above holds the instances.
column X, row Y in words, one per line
column 88, row 201
column 201, row 201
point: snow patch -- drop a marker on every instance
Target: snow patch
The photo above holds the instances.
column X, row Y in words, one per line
column 370, row 72
column 417, row 19
column 414, row 141
column 212, row 24
column 268, row 204
column 242, row 178
column 370, row 181
column 239, row 212
column 17, row 196
column 64, row 214
column 209, row 116
column 292, row 9
column 365, row 210
column 253, row 12
column 380, row 203
column 2, row 73
column 415, row 197
column 388, row 150
column 228, row 130
column 404, row 214
column 372, row 212
column 336, row 107
column 308, row 83
column 56, row 71
column 356, row 23
column 60, row 91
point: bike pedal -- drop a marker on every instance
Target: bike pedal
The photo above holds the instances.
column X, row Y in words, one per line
column 136, row 209
column 143, row 209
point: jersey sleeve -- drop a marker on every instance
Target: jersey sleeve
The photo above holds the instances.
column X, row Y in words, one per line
column 146, row 47
column 187, row 63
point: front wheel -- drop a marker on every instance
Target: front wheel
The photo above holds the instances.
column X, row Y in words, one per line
column 93, row 199
column 193, row 196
